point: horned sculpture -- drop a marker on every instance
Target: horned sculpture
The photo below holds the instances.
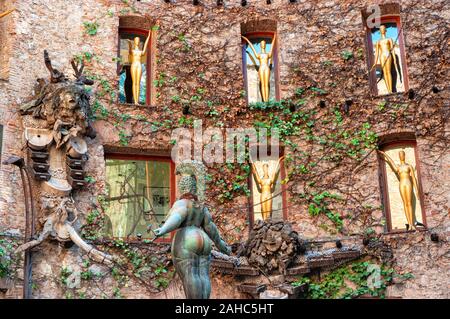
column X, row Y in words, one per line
column 57, row 121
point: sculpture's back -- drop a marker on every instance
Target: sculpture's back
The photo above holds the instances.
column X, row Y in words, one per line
column 192, row 243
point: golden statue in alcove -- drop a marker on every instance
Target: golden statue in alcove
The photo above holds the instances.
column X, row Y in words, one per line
column 135, row 57
column 385, row 55
column 265, row 61
column 407, row 183
column 266, row 187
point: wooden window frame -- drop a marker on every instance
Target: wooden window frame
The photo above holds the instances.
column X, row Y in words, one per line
column 253, row 35
column 149, row 69
column 384, row 186
column 132, row 157
column 391, row 18
column 250, row 181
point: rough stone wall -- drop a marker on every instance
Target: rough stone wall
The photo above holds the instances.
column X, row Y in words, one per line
column 309, row 35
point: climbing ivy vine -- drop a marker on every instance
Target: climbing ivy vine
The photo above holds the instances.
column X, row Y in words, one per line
column 9, row 262
column 357, row 279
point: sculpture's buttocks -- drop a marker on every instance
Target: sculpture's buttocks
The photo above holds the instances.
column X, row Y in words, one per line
column 195, row 232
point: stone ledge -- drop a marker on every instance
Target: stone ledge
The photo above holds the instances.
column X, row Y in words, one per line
column 322, row 261
column 252, row 289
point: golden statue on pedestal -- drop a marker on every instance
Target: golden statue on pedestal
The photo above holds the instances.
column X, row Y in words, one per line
column 265, row 61
column 384, row 53
column 135, row 56
column 407, row 182
column 266, row 186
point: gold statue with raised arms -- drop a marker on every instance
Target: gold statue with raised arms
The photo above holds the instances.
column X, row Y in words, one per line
column 135, row 56
column 266, row 187
column 265, row 60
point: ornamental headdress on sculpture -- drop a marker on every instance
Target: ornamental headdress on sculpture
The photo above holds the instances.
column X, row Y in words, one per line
column 193, row 179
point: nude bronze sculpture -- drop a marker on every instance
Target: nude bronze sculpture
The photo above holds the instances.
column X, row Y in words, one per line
column 385, row 56
column 192, row 242
column 265, row 61
column 407, row 182
column 135, row 56
column 266, row 186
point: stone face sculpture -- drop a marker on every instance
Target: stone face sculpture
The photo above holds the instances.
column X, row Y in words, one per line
column 135, row 55
column 385, row 56
column 407, row 182
column 266, row 187
column 192, row 243
column 57, row 121
column 265, row 61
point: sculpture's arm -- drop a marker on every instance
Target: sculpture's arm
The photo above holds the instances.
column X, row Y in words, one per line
column 92, row 252
column 251, row 46
column 271, row 48
column 211, row 229
column 253, row 59
column 48, row 228
column 277, row 172
column 414, row 179
column 377, row 55
column 130, row 46
column 395, row 60
column 177, row 215
column 255, row 174
column 256, row 177
column 130, row 52
column 390, row 162
column 144, row 50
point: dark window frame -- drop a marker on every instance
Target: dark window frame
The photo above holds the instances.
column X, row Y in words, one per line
column 131, row 157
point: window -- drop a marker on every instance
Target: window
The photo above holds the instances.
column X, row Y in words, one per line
column 267, row 203
column 395, row 196
column 386, row 53
column 126, row 37
column 7, row 37
column 261, row 75
column 140, row 193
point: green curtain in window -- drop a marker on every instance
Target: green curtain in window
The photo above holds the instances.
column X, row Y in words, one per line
column 138, row 196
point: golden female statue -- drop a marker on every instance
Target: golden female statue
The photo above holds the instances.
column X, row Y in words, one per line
column 6, row 13
column 135, row 56
column 266, row 186
column 265, row 61
column 408, row 181
column 383, row 53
